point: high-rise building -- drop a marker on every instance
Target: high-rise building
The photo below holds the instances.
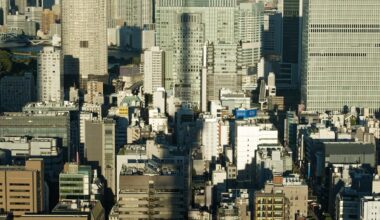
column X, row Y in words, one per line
column 340, row 53
column 20, row 6
column 110, row 13
column 290, row 35
column 34, row 14
column 183, row 28
column 48, row 18
column 84, row 39
column 22, row 188
column 272, row 34
column 154, row 69
column 210, row 137
column 100, row 148
column 133, row 13
column 4, row 8
column 49, row 75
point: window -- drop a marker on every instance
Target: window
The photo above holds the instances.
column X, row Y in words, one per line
column 83, row 44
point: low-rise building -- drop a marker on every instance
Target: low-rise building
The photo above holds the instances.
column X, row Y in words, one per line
column 23, row 148
column 71, row 210
column 370, row 207
column 295, row 190
column 79, row 182
column 271, row 206
column 234, row 204
column 22, row 188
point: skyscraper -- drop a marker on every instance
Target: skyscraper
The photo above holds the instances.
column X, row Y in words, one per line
column 100, row 148
column 184, row 27
column 49, row 75
column 340, row 54
column 84, row 39
column 4, row 7
column 20, row 6
column 154, row 69
column 133, row 13
column 290, row 35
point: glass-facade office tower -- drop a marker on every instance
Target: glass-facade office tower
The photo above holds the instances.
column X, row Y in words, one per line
column 340, row 54
column 290, row 33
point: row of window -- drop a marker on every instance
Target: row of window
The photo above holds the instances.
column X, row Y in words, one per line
column 338, row 54
column 316, row 30
column 345, row 25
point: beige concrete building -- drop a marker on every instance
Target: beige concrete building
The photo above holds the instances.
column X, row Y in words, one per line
column 295, row 190
column 100, row 148
column 150, row 197
column 47, row 18
column 270, row 206
column 84, row 38
column 21, row 188
column 234, row 205
column 70, row 210
column 95, row 91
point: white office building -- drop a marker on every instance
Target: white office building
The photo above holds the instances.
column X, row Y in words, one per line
column 159, row 99
column 248, row 136
column 49, row 75
column 340, row 54
column 210, row 137
column 370, row 208
column 154, row 68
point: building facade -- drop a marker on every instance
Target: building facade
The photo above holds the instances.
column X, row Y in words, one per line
column 190, row 24
column 370, row 207
column 340, row 53
column 16, row 91
column 49, row 75
column 100, row 148
column 75, row 182
column 4, row 8
column 84, row 39
column 154, row 69
column 22, row 188
column 270, row 206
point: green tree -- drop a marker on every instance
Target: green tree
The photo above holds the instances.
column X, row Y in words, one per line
column 5, row 61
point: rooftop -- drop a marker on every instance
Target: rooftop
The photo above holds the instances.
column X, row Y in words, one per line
column 51, row 106
column 80, row 206
column 357, row 148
